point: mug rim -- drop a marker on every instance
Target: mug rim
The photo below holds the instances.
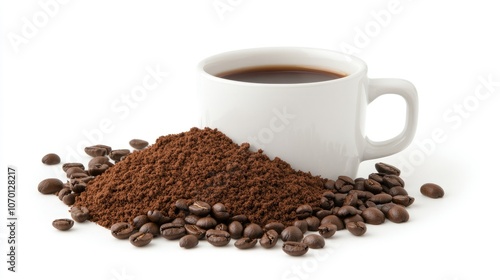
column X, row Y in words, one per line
column 223, row 58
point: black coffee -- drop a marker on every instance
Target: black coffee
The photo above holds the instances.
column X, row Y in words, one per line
column 280, row 74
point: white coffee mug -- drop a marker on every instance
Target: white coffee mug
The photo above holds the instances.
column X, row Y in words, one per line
column 317, row 127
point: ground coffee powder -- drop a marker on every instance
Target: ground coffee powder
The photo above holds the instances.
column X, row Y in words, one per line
column 200, row 165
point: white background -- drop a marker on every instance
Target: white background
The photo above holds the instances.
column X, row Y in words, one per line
column 67, row 70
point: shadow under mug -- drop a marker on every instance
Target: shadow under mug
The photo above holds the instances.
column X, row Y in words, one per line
column 317, row 127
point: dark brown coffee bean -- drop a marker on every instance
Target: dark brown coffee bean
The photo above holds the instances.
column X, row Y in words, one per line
column 150, row 227
column 373, row 186
column 351, row 199
column 138, row 144
column 432, row 190
column 393, row 181
column 221, row 226
column 346, row 211
column 381, row 198
column 95, row 151
column 326, row 203
column 327, row 230
column 373, row 216
column 220, row 213
column 117, row 155
column 277, row 226
column 122, row 230
column 159, row 217
column 379, row 177
column 206, row 222
column 63, row 224
column 312, row 223
column 301, row 224
column 397, row 214
column 387, row 169
column 218, row 238
column 64, row 191
column 292, row 233
column 78, row 187
column 200, row 208
column 172, row 231
column 330, row 184
column 195, row 230
column 106, row 147
column 359, row 184
column 68, row 165
column 314, row 241
column 356, row 228
column 191, row 219
column 344, row 186
column 245, row 243
column 333, row 219
column 295, row 248
column 355, row 218
column 98, row 169
column 235, row 229
column 79, row 213
column 188, row 241
column 182, row 204
column 385, row 207
column 99, row 160
column 323, row 213
column 243, row 219
column 50, row 186
column 404, row 200
column 398, row 190
column 140, row 239
column 253, row 231
column 178, row 221
column 139, row 221
column 69, row 199
column 51, row 159
column 339, row 198
column 303, row 211
column 269, row 239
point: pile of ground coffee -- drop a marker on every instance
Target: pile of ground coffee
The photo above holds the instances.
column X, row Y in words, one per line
column 200, row 165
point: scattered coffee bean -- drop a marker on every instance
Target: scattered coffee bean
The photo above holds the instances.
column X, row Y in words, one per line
column 292, row 233
column 200, row 208
column 138, row 144
column 50, row 186
column 381, row 198
column 191, row 219
column 314, row 241
column 179, row 221
column 303, row 211
column 195, row 230
column 295, row 248
column 117, row 155
column 373, row 216
column 387, row 169
column 172, row 231
column 393, row 181
column 301, row 224
column 122, row 230
column 159, row 217
column 219, row 212
column 253, row 231
column 139, row 221
column 140, row 239
column 404, row 200
column 51, row 159
column 63, row 224
column 346, row 211
column 206, row 222
column 79, row 213
column 397, row 214
column 182, row 204
column 69, row 199
column 188, row 241
column 372, row 186
column 312, row 223
column 277, row 226
column 68, row 165
column 221, row 226
column 432, row 190
column 218, row 238
column 269, row 239
column 327, row 230
column 245, row 243
column 75, row 170
column 150, row 227
column 64, row 191
column 356, row 228
column 240, row 218
column 333, row 219
column 95, row 151
column 354, row 218
column 235, row 229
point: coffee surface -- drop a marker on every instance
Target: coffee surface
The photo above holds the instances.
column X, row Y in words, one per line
column 280, row 75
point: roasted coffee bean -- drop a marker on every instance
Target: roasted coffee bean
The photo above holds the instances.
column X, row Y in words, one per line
column 333, row 219
column 106, row 147
column 344, row 184
column 218, row 238
column 245, row 243
column 432, row 190
column 172, row 231
column 139, row 221
column 393, row 181
column 351, row 199
column 235, row 229
column 150, row 227
column 327, row 230
column 295, row 248
column 159, row 217
column 398, row 190
column 206, row 222
column 373, row 216
column 221, row 226
column 355, row 218
column 117, row 155
column 314, row 241
column 387, row 169
column 404, row 200
column 188, row 241
column 301, row 224
column 68, row 165
column 292, row 233
column 182, row 204
column 359, row 184
column 379, row 177
column 50, row 186
column 78, row 175
column 140, row 239
column 269, row 239
column 381, row 198
column 138, row 144
column 330, row 184
column 191, row 219
column 243, row 219
column 373, row 186
column 276, row 226
column 63, row 224
column 200, row 208
column 95, row 151
column 303, row 211
column 312, row 223
column 195, row 230
column 79, row 213
column 323, row 213
column 326, row 203
column 356, row 228
column 346, row 211
column 69, row 199
column 339, row 198
column 220, row 213
column 253, row 231
column 385, row 207
column 64, row 191
column 122, row 230
column 97, row 169
column 51, row 159
column 99, row 160
column 78, row 187
column 179, row 221
column 397, row 214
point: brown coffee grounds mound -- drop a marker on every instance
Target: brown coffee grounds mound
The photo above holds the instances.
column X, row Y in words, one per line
column 200, row 165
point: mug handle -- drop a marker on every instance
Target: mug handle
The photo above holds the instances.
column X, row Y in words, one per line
column 405, row 89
